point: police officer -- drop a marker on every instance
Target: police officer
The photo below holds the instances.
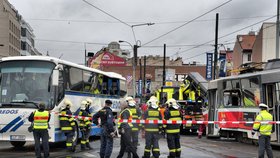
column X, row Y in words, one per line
column 152, row 130
column 40, row 119
column 67, row 124
column 107, row 129
column 125, row 131
column 264, row 130
column 173, row 130
column 136, row 114
column 85, row 125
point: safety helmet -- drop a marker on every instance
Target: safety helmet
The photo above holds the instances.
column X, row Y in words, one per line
column 127, row 99
column 89, row 102
column 131, row 103
column 172, row 103
column 262, row 105
column 83, row 105
column 66, row 103
column 154, row 104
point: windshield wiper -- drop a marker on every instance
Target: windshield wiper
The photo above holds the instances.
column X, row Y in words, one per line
column 25, row 102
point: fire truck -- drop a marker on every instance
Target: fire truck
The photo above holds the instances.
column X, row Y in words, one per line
column 192, row 87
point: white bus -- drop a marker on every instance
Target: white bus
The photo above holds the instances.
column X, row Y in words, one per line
column 26, row 81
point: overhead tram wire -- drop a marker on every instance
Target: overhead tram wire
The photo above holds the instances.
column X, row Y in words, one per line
column 186, row 23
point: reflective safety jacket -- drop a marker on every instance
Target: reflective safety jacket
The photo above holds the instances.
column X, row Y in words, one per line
column 264, row 129
column 41, row 120
column 136, row 115
column 125, row 114
column 66, row 122
column 84, row 122
column 152, row 114
column 173, row 114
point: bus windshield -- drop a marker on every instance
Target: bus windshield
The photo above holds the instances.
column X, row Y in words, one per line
column 23, row 83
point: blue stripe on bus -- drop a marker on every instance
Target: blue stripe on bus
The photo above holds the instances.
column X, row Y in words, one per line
column 17, row 126
column 9, row 125
column 91, row 95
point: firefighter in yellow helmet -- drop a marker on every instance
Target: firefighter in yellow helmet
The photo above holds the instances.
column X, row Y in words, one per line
column 136, row 114
column 85, row 125
column 152, row 130
column 173, row 130
column 88, row 106
column 67, row 124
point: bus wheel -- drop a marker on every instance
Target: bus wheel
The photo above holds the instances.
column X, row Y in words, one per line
column 76, row 135
column 18, row 144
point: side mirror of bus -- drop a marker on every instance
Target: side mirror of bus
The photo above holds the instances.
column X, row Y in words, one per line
column 55, row 77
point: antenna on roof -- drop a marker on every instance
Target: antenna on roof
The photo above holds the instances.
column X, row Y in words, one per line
column 60, row 56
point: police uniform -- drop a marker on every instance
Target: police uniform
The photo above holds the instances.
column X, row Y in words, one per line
column 265, row 131
column 173, row 132
column 40, row 119
column 125, row 130
column 152, row 133
column 85, row 127
column 67, row 125
column 107, row 128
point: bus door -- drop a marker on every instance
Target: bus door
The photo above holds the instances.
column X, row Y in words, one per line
column 212, row 110
column 273, row 108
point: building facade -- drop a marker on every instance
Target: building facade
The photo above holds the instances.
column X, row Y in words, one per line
column 27, row 39
column 9, row 30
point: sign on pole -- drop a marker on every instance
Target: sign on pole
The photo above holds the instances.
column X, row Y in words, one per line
column 209, row 63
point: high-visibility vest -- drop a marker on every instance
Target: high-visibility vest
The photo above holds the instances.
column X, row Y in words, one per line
column 84, row 122
column 174, row 115
column 121, row 117
column 41, row 120
column 264, row 129
column 153, row 114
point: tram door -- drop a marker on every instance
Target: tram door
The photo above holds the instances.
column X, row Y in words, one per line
column 212, row 110
column 273, row 108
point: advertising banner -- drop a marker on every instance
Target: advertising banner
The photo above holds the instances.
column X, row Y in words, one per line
column 209, row 63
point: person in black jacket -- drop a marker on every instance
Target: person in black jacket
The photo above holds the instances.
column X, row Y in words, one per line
column 107, row 129
column 40, row 119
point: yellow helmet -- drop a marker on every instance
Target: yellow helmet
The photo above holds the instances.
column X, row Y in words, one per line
column 127, row 99
column 131, row 103
column 172, row 103
column 83, row 105
column 66, row 103
column 89, row 102
column 153, row 103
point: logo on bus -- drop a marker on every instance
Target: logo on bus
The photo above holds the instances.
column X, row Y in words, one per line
column 8, row 111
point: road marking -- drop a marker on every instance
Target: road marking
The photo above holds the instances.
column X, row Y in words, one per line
column 89, row 155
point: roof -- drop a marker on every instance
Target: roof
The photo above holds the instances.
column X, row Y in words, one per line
column 246, row 41
column 59, row 61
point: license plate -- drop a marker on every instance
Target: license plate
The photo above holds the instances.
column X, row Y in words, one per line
column 17, row 137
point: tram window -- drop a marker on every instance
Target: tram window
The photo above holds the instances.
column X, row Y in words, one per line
column 278, row 92
column 235, row 84
column 227, row 85
column 232, row 98
column 250, row 91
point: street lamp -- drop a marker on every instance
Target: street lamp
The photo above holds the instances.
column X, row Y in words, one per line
column 134, row 62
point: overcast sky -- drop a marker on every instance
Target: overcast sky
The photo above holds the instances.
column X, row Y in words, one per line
column 77, row 21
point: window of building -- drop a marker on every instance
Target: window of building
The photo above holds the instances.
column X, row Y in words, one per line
column 23, row 32
column 249, row 57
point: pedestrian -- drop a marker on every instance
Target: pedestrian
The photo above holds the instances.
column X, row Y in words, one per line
column 40, row 119
column 152, row 130
column 107, row 129
column 84, row 125
column 136, row 115
column 173, row 130
column 125, row 131
column 264, row 131
column 67, row 124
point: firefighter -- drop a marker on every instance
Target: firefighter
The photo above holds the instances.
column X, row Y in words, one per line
column 40, row 119
column 264, row 130
column 85, row 125
column 88, row 106
column 125, row 131
column 152, row 130
column 173, row 130
column 136, row 114
column 198, row 115
column 67, row 124
column 107, row 129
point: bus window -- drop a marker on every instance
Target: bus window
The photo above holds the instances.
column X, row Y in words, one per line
column 115, row 87
column 122, row 88
column 76, row 79
column 250, row 91
column 89, row 81
column 105, row 85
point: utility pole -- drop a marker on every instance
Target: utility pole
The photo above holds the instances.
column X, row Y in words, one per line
column 163, row 73
column 144, row 78
column 277, row 30
column 134, row 64
column 216, row 47
column 85, row 54
column 140, row 83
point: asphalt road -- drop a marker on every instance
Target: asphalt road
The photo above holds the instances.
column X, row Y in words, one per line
column 191, row 147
